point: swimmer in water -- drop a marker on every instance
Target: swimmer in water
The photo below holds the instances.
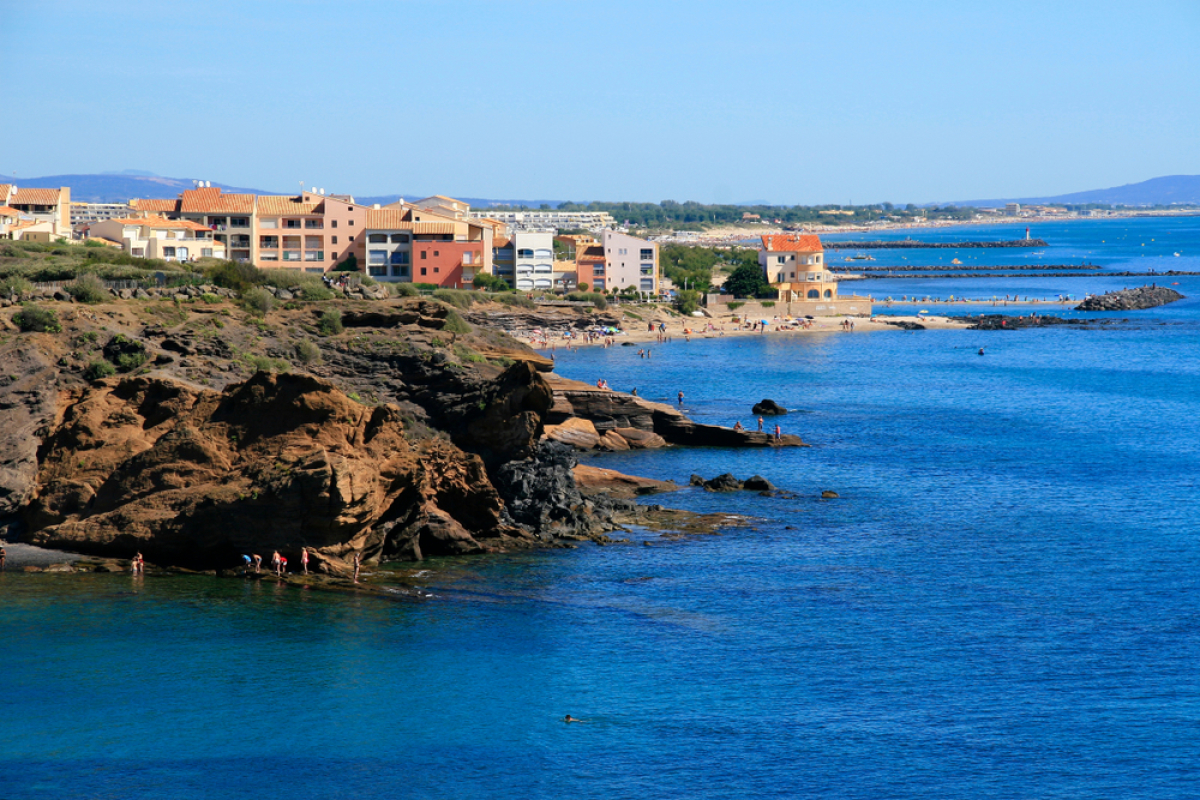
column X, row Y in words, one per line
column 981, row 351
column 569, row 718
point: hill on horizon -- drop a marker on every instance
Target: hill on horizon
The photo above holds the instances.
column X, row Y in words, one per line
column 119, row 187
column 1184, row 189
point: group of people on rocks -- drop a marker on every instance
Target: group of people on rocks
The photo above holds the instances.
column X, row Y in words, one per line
column 279, row 563
column 737, row 426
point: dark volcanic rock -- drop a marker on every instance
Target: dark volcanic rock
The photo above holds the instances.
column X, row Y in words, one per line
column 758, row 483
column 723, row 483
column 1130, row 299
column 28, row 401
column 769, row 407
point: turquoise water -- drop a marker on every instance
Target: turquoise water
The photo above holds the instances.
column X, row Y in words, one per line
column 1002, row 604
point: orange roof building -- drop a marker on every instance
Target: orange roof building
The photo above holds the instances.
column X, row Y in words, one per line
column 794, row 265
column 52, row 206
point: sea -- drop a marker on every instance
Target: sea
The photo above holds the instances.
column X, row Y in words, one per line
column 1002, row 602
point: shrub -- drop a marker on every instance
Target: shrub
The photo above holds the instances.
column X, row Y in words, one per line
column 257, row 301
column 316, row 293
column 734, row 306
column 349, row 265
column 595, row 298
column 518, row 300
column 92, row 243
column 455, row 324
column 687, row 301
column 585, row 286
column 15, row 285
column 425, row 287
column 210, row 298
column 88, row 288
column 266, row 364
column 98, row 370
column 367, row 280
column 234, row 275
column 403, row 289
column 331, row 323
column 307, row 351
column 491, row 283
column 127, row 354
column 768, row 303
column 458, row 298
column 37, row 319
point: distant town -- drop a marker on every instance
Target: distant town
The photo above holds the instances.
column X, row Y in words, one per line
column 442, row 242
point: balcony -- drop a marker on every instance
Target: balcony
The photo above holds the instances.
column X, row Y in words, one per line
column 314, row 255
column 291, row 255
column 314, row 223
column 269, row 241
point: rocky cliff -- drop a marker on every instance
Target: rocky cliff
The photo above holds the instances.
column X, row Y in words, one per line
column 401, row 433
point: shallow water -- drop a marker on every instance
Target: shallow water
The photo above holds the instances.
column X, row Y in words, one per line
column 1002, row 604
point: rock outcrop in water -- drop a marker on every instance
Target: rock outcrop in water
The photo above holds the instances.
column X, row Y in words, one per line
column 1130, row 299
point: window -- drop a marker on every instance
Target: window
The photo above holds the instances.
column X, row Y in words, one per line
column 780, row 259
column 436, row 253
column 139, row 251
column 314, row 255
column 377, row 272
column 399, row 238
column 525, row 252
column 424, row 255
column 268, row 223
column 423, row 270
column 168, row 252
column 399, row 257
column 239, row 222
column 350, row 223
column 334, row 224
column 399, row 270
column 206, row 252
column 352, row 238
column 377, row 238
column 334, row 239
column 436, row 270
column 648, row 254
column 828, row 294
column 291, row 223
column 314, row 223
column 813, row 294
column 268, row 241
column 268, row 256
column 377, row 257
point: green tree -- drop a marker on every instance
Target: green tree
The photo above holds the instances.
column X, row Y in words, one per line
column 687, row 301
column 746, row 281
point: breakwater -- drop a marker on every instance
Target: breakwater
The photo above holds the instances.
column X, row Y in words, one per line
column 913, row 244
column 962, row 267
column 1079, row 274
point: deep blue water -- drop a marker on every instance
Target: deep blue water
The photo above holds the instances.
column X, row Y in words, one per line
column 1002, row 604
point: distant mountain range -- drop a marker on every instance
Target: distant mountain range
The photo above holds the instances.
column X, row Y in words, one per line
column 1184, row 189
column 120, row 187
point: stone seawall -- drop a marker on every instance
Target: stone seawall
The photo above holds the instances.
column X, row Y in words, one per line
column 912, row 244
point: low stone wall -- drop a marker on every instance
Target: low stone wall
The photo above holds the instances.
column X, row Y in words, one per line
column 849, row 306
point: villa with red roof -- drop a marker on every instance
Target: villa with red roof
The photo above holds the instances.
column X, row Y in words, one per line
column 44, row 211
column 794, row 266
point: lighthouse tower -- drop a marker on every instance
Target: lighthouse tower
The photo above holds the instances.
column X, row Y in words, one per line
column 1027, row 233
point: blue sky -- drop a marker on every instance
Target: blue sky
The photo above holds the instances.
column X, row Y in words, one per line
column 790, row 102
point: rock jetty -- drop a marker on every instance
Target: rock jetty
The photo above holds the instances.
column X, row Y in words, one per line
column 1130, row 299
column 913, row 244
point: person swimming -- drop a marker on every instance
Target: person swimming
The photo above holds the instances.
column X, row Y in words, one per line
column 569, row 718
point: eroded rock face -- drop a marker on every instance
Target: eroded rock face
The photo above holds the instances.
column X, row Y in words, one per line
column 196, row 477
column 28, row 403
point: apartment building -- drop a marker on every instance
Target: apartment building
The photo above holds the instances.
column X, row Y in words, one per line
column 526, row 260
column 159, row 237
column 88, row 213
column 629, row 262
column 408, row 243
column 540, row 220
column 308, row 231
column 48, row 209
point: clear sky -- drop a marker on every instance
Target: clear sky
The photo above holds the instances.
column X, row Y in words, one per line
column 789, row 102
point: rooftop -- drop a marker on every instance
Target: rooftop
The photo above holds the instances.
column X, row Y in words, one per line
column 793, row 243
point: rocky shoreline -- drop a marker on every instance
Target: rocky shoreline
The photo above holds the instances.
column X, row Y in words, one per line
column 404, row 434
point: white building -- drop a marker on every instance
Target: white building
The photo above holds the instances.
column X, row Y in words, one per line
column 532, row 259
column 158, row 237
column 558, row 220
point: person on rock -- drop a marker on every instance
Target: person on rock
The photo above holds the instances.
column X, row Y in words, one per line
column 257, row 563
column 357, row 564
column 760, row 423
column 304, row 559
